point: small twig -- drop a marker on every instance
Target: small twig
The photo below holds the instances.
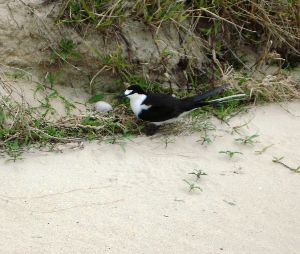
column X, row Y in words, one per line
column 82, row 126
column 235, row 128
column 264, row 149
column 53, row 137
column 221, row 18
column 12, row 16
column 95, row 76
column 278, row 160
column 192, row 186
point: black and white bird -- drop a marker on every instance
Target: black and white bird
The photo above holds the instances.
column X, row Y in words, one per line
column 159, row 109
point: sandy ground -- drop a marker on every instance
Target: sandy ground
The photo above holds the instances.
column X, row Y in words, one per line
column 102, row 199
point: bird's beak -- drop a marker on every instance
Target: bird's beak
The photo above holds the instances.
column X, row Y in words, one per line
column 125, row 94
column 120, row 96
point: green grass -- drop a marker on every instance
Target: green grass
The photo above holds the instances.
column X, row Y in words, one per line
column 105, row 13
column 213, row 21
column 247, row 140
column 14, row 149
column 198, row 173
column 192, row 186
column 230, row 154
column 220, row 27
column 114, row 62
column 65, row 52
column 225, row 111
column 31, row 125
column 204, row 127
column 22, row 126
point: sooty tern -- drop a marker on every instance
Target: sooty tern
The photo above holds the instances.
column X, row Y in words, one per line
column 158, row 108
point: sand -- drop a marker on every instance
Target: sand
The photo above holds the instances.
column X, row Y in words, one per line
column 105, row 199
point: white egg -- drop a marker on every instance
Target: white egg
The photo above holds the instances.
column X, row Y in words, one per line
column 103, row 106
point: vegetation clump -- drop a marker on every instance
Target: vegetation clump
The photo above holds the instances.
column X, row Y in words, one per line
column 223, row 25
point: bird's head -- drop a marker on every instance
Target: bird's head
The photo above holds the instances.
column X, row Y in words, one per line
column 132, row 91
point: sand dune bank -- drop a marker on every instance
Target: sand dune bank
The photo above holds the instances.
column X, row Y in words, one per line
column 101, row 199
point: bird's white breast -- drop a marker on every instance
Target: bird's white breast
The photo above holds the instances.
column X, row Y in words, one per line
column 136, row 103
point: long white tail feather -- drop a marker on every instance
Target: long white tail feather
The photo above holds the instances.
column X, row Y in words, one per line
column 229, row 98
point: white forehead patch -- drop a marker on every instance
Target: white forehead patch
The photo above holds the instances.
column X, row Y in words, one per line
column 127, row 92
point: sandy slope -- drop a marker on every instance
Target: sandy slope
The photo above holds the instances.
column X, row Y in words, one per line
column 103, row 200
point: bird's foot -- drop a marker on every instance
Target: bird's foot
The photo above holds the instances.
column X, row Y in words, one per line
column 151, row 129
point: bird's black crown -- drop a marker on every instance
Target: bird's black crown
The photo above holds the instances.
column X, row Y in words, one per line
column 136, row 89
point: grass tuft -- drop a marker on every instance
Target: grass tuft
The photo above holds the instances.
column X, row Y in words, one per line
column 23, row 126
column 192, row 186
column 274, row 24
column 230, row 154
column 247, row 140
column 279, row 161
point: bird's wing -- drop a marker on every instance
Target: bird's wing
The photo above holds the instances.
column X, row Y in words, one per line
column 163, row 107
column 210, row 93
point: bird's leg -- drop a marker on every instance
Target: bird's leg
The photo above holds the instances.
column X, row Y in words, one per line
column 151, row 129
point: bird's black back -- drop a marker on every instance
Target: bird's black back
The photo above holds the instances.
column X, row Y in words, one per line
column 163, row 107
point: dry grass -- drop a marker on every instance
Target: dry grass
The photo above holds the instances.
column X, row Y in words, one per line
column 22, row 125
column 274, row 88
column 270, row 28
column 257, row 23
column 271, row 88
